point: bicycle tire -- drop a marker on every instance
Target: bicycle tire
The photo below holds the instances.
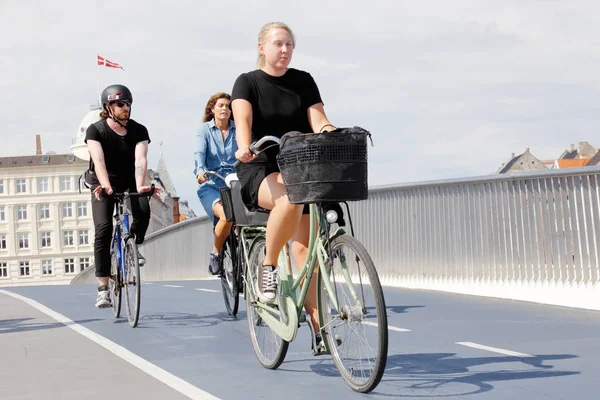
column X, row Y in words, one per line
column 261, row 334
column 133, row 282
column 361, row 375
column 114, row 284
column 229, row 285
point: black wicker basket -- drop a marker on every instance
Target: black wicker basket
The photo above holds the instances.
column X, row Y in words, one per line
column 324, row 167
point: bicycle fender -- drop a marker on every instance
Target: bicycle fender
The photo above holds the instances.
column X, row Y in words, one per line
column 336, row 233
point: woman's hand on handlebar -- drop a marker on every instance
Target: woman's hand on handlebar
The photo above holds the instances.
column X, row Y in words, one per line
column 244, row 155
column 202, row 177
column 98, row 191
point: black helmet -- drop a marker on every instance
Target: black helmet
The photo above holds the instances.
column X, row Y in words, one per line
column 115, row 93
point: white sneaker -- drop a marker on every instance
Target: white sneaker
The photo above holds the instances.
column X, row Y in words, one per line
column 267, row 283
column 103, row 299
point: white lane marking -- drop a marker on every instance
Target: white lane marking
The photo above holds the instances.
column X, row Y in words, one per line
column 209, row 290
column 493, row 349
column 390, row 328
column 172, row 286
column 156, row 372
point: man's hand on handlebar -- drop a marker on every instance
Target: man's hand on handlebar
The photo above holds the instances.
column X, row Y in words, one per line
column 146, row 189
column 98, row 191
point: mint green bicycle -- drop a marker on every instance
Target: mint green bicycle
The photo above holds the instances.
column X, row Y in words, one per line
column 352, row 313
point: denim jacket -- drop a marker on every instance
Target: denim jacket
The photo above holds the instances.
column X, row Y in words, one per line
column 213, row 153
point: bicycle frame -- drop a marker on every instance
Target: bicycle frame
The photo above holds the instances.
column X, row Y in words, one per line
column 120, row 230
column 289, row 305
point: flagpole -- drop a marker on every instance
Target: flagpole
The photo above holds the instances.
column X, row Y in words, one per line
column 98, row 82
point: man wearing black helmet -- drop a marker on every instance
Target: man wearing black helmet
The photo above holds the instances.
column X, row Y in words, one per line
column 118, row 147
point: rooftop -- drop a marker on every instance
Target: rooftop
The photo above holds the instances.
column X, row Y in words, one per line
column 40, row 160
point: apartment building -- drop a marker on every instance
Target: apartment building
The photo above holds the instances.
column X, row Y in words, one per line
column 46, row 228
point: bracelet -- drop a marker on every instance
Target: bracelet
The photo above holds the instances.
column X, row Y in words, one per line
column 325, row 126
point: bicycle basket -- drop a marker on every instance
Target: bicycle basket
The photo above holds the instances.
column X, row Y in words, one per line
column 227, row 203
column 324, row 167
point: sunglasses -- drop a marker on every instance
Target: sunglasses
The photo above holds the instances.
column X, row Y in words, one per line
column 122, row 104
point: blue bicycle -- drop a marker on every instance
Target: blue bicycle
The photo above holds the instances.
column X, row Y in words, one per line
column 125, row 267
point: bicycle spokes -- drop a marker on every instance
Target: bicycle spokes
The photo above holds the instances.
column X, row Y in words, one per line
column 353, row 314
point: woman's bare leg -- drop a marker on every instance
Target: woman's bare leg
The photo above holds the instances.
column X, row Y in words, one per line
column 222, row 228
column 283, row 219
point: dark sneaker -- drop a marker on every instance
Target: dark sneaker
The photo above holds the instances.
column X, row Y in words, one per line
column 267, row 283
column 319, row 349
column 214, row 264
column 103, row 299
column 141, row 259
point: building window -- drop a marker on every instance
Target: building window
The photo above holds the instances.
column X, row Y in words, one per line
column 1, row 186
column 65, row 183
column 84, row 262
column 67, row 210
column 21, row 212
column 69, row 265
column 42, row 185
column 46, row 267
column 44, row 211
column 46, row 239
column 24, row 268
column 68, row 238
column 2, row 217
column 2, row 241
column 82, row 187
column 21, row 186
column 3, row 270
column 84, row 237
column 82, row 209
column 23, row 240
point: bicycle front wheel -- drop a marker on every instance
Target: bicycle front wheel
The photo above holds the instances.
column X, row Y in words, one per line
column 356, row 330
column 132, row 282
column 270, row 348
column 229, row 285
column 114, row 284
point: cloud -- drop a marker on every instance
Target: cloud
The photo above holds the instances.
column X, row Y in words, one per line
column 448, row 90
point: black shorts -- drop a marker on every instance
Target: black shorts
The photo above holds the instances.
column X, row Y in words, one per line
column 251, row 176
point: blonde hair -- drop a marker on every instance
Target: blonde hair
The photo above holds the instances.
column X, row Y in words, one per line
column 262, row 35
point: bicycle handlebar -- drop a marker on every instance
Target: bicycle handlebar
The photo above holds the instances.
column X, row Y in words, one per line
column 255, row 148
column 124, row 195
column 208, row 173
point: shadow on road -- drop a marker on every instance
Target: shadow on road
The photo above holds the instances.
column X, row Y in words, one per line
column 431, row 375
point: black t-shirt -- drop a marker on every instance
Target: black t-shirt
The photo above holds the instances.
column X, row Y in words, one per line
column 279, row 104
column 119, row 151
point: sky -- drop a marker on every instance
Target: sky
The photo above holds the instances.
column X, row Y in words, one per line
column 448, row 89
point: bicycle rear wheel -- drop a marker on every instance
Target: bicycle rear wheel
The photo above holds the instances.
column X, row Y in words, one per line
column 114, row 284
column 229, row 285
column 132, row 282
column 270, row 348
column 360, row 320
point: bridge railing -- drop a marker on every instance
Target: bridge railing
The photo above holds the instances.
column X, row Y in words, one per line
column 530, row 236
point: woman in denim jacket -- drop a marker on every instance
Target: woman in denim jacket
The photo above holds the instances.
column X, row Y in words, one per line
column 215, row 151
